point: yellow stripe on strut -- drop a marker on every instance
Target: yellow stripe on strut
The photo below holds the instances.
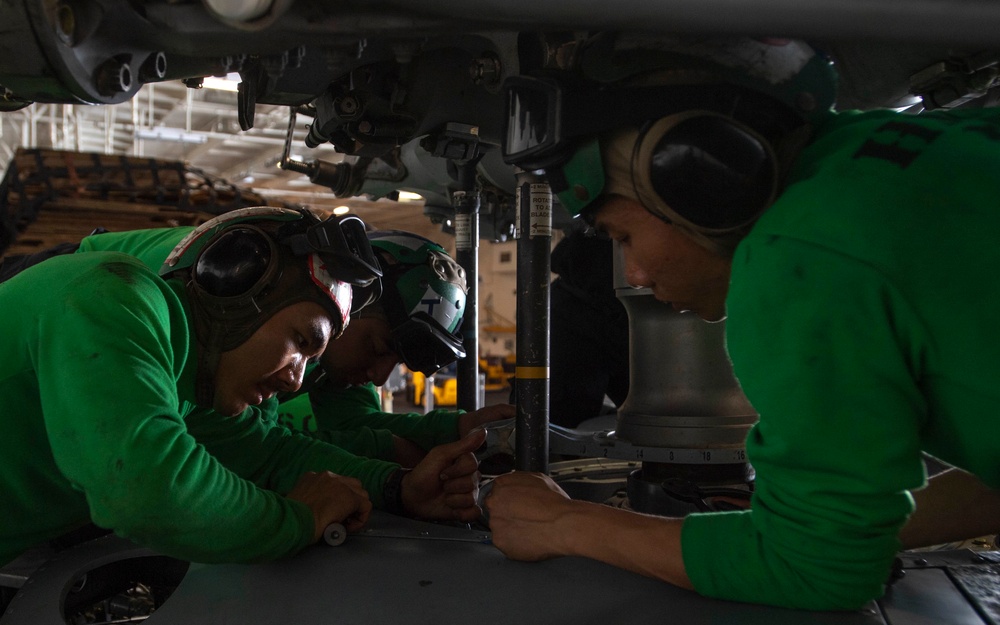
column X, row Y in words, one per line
column 531, row 373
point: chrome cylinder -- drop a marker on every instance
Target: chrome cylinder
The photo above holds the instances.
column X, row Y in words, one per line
column 682, row 392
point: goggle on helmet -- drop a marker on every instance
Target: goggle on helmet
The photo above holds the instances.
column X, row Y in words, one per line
column 705, row 121
column 424, row 297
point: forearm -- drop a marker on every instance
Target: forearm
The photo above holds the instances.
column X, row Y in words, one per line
column 532, row 518
column 359, row 406
column 364, row 441
column 953, row 506
column 274, row 457
column 426, row 430
column 640, row 543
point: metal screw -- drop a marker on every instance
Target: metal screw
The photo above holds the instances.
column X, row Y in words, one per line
column 347, row 105
column 112, row 77
column 154, row 69
column 485, row 69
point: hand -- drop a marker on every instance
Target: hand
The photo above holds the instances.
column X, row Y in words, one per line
column 523, row 510
column 444, row 485
column 407, row 453
column 332, row 499
column 470, row 420
column 533, row 519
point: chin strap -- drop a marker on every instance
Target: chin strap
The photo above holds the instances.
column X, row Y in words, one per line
column 204, row 383
column 209, row 345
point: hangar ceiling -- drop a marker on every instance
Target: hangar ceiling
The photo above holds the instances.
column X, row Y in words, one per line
column 200, row 127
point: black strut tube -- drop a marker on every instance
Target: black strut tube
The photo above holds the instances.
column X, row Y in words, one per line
column 466, row 202
column 534, row 239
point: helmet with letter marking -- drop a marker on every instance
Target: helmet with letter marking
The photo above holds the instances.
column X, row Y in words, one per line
column 423, row 297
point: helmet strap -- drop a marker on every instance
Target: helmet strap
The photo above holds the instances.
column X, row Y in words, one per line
column 209, row 344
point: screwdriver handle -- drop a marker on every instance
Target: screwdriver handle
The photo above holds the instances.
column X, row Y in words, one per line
column 334, row 534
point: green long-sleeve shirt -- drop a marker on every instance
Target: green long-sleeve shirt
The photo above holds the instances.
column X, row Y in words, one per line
column 350, row 418
column 96, row 375
column 862, row 327
column 353, row 418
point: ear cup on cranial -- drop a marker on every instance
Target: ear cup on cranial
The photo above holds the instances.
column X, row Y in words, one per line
column 234, row 262
column 707, row 169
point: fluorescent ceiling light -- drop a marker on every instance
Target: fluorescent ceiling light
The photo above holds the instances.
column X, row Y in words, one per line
column 407, row 196
column 230, row 83
column 240, row 10
column 170, row 134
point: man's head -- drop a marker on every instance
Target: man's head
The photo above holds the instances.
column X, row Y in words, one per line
column 416, row 321
column 249, row 271
column 273, row 359
column 694, row 133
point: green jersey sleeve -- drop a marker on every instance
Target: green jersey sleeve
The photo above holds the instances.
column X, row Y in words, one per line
column 257, row 448
column 104, row 343
column 356, row 407
column 860, row 310
column 836, row 448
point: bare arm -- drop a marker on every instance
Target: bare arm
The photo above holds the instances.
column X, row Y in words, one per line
column 954, row 506
column 533, row 519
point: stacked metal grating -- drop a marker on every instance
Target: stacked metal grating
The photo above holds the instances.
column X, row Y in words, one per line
column 49, row 197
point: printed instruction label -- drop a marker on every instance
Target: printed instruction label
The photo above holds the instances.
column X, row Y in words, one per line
column 540, row 217
column 463, row 231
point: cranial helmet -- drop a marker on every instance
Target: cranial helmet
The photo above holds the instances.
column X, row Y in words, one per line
column 423, row 297
column 698, row 130
column 244, row 266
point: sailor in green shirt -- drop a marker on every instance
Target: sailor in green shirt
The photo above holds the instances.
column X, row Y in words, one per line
column 854, row 257
column 414, row 320
column 132, row 397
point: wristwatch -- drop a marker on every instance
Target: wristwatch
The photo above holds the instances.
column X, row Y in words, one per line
column 392, row 492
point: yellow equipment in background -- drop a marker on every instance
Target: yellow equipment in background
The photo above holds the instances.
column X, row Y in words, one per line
column 445, row 389
column 498, row 370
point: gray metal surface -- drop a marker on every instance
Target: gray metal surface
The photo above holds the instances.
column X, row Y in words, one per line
column 376, row 579
column 607, row 444
column 405, row 571
column 41, row 598
column 929, row 598
column 952, row 587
